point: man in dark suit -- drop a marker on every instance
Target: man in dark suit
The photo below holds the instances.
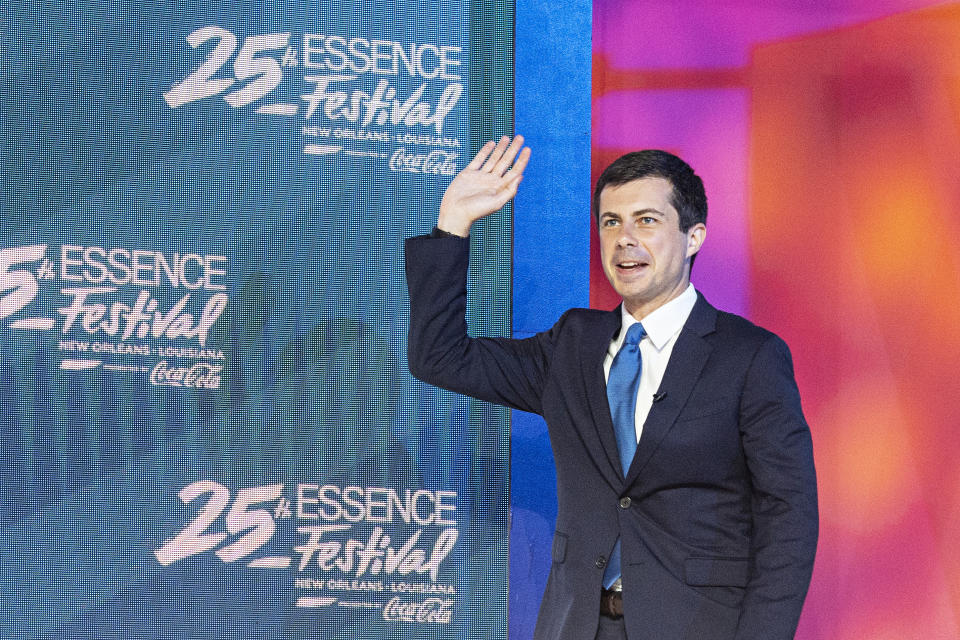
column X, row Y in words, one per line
column 685, row 477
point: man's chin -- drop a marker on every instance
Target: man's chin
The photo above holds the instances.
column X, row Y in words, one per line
column 632, row 292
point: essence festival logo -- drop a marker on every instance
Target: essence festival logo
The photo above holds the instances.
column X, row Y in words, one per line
column 365, row 548
column 110, row 315
column 363, row 97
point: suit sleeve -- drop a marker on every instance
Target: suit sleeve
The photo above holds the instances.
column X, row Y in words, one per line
column 439, row 350
column 779, row 454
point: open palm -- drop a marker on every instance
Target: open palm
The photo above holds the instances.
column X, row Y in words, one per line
column 484, row 185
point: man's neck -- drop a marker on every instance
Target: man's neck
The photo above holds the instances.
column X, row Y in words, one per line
column 641, row 309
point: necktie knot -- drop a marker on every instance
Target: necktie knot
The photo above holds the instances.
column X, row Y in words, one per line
column 635, row 334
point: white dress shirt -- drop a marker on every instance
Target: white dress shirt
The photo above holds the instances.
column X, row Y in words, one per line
column 663, row 326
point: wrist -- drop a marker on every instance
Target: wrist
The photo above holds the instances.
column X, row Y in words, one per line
column 452, row 226
column 440, row 233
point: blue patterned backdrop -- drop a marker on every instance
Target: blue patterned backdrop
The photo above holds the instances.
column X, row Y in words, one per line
column 208, row 427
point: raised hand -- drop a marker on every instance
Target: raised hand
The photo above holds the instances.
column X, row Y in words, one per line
column 484, row 185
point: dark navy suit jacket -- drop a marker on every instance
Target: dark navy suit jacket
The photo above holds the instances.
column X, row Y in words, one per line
column 718, row 511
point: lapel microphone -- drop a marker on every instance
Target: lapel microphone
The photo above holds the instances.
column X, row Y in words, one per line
column 657, row 397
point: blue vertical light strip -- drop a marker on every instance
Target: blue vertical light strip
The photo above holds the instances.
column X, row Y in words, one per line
column 551, row 256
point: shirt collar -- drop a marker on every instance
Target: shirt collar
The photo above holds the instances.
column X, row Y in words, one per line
column 664, row 322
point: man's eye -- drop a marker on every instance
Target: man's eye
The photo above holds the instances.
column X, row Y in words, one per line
column 647, row 220
column 608, row 222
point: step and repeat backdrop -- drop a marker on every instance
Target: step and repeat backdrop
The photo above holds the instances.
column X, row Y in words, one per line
column 208, row 428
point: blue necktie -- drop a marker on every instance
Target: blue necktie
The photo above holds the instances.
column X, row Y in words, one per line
column 622, row 385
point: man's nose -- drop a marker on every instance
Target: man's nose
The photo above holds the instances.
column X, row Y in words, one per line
column 626, row 237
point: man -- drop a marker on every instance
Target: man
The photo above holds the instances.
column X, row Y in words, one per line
column 685, row 479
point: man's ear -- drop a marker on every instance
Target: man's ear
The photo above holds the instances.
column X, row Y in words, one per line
column 695, row 238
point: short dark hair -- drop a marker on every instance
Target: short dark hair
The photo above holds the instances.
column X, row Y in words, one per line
column 689, row 197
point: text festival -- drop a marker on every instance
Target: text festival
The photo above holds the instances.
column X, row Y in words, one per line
column 334, row 506
column 88, row 305
column 326, row 515
column 333, row 65
column 93, row 305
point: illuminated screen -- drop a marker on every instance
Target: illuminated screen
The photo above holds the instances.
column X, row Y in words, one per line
column 828, row 138
column 208, row 425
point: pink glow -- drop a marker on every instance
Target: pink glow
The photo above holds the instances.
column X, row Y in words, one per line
column 828, row 137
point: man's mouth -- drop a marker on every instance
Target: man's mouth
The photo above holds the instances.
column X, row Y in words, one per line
column 631, row 265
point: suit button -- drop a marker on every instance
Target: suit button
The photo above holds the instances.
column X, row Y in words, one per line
column 601, row 562
column 625, row 502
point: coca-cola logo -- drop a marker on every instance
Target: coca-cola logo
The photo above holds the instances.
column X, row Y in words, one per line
column 431, row 610
column 199, row 376
column 437, row 162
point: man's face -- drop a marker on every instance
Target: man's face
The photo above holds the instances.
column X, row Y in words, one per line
column 644, row 253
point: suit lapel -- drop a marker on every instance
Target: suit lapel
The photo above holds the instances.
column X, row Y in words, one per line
column 603, row 447
column 687, row 360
